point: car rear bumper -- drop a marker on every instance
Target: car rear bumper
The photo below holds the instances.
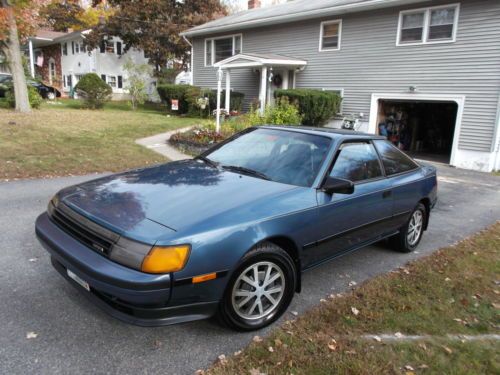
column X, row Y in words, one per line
column 129, row 295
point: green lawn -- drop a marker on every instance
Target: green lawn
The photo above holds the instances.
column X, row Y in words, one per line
column 62, row 139
column 452, row 292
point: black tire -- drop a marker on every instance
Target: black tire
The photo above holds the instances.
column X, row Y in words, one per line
column 400, row 241
column 267, row 253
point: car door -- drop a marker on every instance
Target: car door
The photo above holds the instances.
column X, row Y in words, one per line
column 346, row 221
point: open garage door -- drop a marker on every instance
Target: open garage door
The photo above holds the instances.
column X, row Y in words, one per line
column 423, row 129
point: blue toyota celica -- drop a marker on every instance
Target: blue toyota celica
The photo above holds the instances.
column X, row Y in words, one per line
column 231, row 231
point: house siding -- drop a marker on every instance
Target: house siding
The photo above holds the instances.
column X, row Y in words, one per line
column 370, row 62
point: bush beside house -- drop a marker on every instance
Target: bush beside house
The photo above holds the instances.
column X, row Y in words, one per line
column 94, row 91
column 191, row 99
column 315, row 106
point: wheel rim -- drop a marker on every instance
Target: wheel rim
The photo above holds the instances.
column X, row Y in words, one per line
column 415, row 228
column 258, row 290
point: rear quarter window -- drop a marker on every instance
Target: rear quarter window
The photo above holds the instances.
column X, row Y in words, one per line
column 393, row 159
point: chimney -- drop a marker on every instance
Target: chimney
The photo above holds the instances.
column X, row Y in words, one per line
column 252, row 4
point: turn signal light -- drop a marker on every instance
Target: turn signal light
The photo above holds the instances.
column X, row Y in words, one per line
column 165, row 259
column 202, row 278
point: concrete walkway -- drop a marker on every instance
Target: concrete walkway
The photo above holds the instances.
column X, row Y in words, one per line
column 159, row 144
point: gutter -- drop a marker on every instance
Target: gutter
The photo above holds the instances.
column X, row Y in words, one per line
column 299, row 16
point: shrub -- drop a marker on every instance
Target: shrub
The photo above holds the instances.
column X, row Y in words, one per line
column 94, row 91
column 282, row 113
column 168, row 92
column 315, row 106
column 33, row 96
column 189, row 99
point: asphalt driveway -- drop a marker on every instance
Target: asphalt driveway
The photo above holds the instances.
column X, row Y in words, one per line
column 74, row 336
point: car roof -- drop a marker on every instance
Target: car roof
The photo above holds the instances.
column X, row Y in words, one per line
column 337, row 134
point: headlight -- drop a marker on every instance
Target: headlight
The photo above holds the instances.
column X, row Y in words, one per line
column 165, row 259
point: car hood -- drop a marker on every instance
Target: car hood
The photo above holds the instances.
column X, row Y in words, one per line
column 177, row 195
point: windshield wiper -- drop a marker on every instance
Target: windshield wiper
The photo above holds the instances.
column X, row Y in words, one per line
column 247, row 171
column 207, row 160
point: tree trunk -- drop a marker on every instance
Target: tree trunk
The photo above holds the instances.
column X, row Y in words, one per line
column 13, row 54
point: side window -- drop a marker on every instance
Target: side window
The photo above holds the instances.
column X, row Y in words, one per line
column 356, row 162
column 394, row 160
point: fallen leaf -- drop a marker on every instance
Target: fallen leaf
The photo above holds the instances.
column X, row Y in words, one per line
column 355, row 311
column 222, row 359
column 352, row 283
column 199, row 372
column 257, row 339
column 278, row 342
column 332, row 347
column 350, row 352
column 33, row 259
column 423, row 366
column 447, row 350
column 377, row 338
column 31, row 335
column 270, row 349
column 398, row 335
column 322, row 300
column 447, row 279
column 237, row 353
column 495, row 305
column 409, row 368
column 294, row 313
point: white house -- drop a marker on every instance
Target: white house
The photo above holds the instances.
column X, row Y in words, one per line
column 61, row 59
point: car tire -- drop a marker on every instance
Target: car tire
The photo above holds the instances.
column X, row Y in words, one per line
column 410, row 234
column 245, row 305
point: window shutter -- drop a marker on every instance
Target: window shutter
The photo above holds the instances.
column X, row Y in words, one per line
column 64, row 81
column 102, row 47
column 120, row 82
column 118, row 48
column 73, row 48
column 103, row 77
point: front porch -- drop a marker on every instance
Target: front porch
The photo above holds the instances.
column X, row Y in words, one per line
column 275, row 71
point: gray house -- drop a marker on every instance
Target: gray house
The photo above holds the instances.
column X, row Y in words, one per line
column 425, row 73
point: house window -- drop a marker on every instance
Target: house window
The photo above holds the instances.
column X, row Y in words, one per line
column 218, row 49
column 112, row 81
column 65, row 49
column 78, row 77
column 52, row 70
column 110, row 47
column 79, row 47
column 69, row 81
column 329, row 39
column 428, row 25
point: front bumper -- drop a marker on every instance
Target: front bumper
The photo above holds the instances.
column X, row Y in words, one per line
column 129, row 295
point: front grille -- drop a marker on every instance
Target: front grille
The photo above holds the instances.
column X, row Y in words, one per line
column 82, row 229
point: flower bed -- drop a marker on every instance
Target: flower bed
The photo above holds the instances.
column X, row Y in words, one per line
column 197, row 140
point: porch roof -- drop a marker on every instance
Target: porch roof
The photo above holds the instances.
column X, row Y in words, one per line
column 253, row 60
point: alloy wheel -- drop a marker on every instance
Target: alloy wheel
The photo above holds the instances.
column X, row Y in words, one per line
column 258, row 290
column 415, row 227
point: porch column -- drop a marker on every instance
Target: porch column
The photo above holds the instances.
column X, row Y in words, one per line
column 263, row 88
column 219, row 89
column 32, row 58
column 228, row 90
column 285, row 79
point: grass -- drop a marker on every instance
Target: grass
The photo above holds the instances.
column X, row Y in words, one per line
column 63, row 139
column 454, row 291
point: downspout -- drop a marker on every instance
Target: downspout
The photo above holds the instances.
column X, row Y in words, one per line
column 496, row 145
column 192, row 59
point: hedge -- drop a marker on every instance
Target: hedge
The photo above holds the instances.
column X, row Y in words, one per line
column 188, row 96
column 315, row 106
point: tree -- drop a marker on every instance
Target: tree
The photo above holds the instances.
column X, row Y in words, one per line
column 61, row 16
column 18, row 20
column 154, row 26
column 137, row 78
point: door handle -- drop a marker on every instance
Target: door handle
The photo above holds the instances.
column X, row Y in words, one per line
column 386, row 194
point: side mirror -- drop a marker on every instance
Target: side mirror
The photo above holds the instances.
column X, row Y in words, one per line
column 337, row 185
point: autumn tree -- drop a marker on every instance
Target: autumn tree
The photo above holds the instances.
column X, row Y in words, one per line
column 18, row 20
column 154, row 26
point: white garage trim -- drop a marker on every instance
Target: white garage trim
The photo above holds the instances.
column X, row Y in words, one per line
column 459, row 99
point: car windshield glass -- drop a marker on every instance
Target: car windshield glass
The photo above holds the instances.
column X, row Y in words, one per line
column 283, row 156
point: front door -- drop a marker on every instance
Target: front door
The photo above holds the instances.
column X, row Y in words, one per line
column 347, row 221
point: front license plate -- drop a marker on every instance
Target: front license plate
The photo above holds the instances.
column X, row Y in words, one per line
column 79, row 280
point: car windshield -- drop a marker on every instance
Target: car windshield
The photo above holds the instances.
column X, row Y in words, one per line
column 279, row 155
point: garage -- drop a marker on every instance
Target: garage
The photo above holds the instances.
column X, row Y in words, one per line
column 424, row 129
